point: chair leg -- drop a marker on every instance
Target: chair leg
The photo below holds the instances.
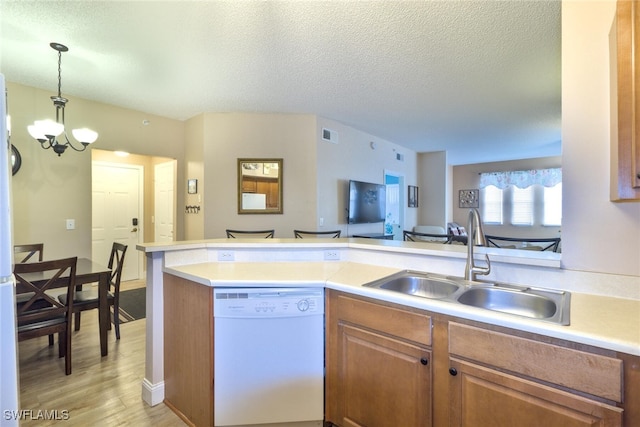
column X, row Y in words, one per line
column 76, row 320
column 116, row 320
column 62, row 349
column 67, row 355
column 50, row 339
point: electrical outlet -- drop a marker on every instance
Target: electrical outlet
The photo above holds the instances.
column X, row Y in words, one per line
column 331, row 255
column 225, row 256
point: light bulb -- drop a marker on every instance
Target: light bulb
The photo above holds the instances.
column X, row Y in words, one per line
column 84, row 135
column 49, row 128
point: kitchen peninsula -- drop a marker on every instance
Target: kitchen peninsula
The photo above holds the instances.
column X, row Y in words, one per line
column 604, row 333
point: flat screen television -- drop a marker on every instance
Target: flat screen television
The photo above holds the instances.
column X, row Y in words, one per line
column 367, row 202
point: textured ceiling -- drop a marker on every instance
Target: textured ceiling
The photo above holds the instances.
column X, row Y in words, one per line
column 480, row 79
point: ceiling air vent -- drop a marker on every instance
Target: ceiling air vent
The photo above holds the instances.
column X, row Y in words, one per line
column 329, row 135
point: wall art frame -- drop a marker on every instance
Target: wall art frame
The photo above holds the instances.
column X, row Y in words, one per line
column 412, row 199
column 469, row 198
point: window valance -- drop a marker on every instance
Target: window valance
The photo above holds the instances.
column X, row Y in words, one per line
column 522, row 179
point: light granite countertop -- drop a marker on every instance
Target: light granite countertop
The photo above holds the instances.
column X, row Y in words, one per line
column 607, row 322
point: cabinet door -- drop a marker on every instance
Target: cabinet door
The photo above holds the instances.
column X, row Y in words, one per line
column 485, row 397
column 625, row 153
column 269, row 188
column 384, row 382
column 188, row 349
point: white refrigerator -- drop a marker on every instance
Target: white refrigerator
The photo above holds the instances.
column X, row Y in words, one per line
column 9, row 397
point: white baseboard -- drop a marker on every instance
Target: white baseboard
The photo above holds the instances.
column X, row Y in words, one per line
column 152, row 394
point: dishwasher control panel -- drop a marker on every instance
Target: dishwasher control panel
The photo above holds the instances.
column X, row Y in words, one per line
column 267, row 302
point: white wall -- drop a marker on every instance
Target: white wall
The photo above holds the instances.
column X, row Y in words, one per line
column 433, row 178
column 354, row 158
column 229, row 136
column 315, row 171
column 194, row 169
column 598, row 235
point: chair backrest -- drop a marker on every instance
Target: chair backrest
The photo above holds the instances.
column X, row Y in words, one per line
column 413, row 236
column 116, row 263
column 544, row 243
column 456, row 229
column 30, row 250
column 36, row 279
column 301, row 234
column 267, row 234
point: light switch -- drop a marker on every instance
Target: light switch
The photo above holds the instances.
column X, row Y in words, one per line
column 71, row 224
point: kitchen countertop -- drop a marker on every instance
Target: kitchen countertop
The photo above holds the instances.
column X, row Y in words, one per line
column 601, row 321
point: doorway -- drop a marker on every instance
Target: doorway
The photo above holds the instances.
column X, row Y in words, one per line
column 394, row 218
column 117, row 209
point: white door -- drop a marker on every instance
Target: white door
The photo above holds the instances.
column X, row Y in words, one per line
column 164, row 178
column 394, row 221
column 117, row 213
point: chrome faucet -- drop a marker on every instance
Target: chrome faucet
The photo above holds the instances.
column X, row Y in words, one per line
column 475, row 238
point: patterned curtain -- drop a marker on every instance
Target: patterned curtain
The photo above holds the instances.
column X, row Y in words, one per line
column 522, row 179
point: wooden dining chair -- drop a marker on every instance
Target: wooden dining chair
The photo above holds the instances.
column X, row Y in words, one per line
column 30, row 250
column 302, row 234
column 89, row 299
column 267, row 234
column 414, row 236
column 536, row 244
column 35, row 321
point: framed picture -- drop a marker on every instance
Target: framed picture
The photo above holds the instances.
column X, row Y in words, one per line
column 413, row 196
column 469, row 199
column 192, row 186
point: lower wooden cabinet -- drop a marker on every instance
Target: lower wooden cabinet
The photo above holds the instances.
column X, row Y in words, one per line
column 394, row 366
column 487, row 397
column 385, row 381
column 378, row 365
column 188, row 350
column 390, row 366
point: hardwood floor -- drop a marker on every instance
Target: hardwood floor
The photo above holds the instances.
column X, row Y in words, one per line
column 104, row 391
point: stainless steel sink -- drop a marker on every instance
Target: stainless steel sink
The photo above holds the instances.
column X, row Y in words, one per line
column 424, row 285
column 528, row 302
column 534, row 303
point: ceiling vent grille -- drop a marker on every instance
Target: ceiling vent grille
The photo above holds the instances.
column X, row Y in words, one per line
column 329, row 135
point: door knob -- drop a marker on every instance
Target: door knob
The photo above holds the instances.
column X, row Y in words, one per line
column 134, row 229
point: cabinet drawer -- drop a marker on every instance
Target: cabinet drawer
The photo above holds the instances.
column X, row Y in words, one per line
column 249, row 185
column 586, row 372
column 400, row 323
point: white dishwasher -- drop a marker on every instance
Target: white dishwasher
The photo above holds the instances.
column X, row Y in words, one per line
column 268, row 356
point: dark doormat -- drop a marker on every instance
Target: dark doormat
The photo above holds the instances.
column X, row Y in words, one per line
column 133, row 304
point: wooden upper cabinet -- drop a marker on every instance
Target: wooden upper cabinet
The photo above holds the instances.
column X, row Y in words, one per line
column 625, row 102
column 249, row 185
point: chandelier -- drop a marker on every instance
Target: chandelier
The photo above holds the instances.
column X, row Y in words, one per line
column 46, row 132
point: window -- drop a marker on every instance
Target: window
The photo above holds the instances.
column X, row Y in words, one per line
column 523, row 198
column 552, row 205
column 522, row 206
column 491, row 205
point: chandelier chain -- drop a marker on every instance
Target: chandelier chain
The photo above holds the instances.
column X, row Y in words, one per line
column 59, row 74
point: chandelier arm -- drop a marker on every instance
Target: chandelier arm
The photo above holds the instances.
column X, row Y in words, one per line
column 84, row 146
column 45, row 143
